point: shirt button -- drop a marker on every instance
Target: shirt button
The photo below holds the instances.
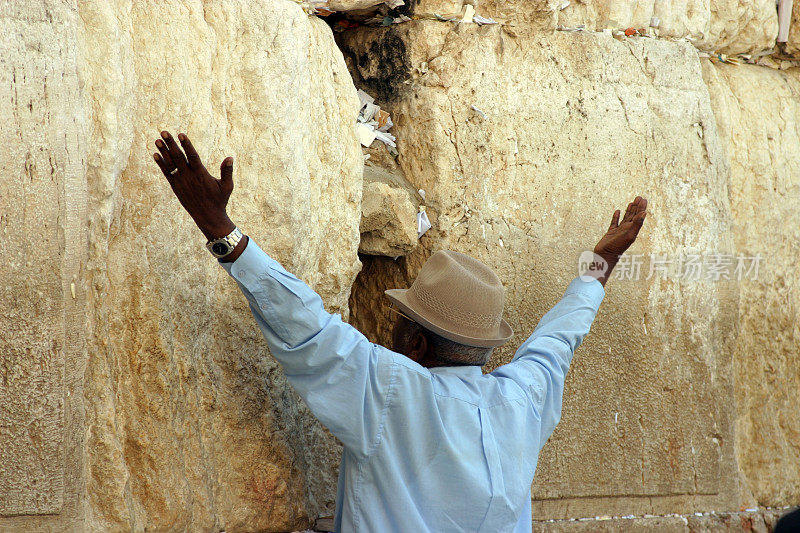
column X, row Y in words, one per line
column 243, row 273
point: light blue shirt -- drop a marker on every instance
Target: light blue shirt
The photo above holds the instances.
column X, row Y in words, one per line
column 425, row 450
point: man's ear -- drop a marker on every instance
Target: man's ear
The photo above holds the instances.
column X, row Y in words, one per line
column 419, row 347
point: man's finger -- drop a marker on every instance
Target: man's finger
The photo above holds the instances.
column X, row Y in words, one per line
column 191, row 153
column 226, row 174
column 614, row 220
column 166, row 171
column 165, row 157
column 628, row 212
column 178, row 159
column 160, row 163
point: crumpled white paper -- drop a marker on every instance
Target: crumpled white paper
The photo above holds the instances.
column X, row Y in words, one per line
column 423, row 224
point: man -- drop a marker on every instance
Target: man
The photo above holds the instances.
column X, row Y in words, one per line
column 789, row 523
column 430, row 443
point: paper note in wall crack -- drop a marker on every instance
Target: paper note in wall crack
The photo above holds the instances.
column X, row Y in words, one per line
column 423, row 224
column 469, row 12
column 480, row 21
column 364, row 98
column 365, row 134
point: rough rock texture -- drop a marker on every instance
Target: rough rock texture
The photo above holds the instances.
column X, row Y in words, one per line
column 136, row 392
column 43, row 245
column 351, row 5
column 576, row 125
column 736, row 522
column 189, row 424
column 388, row 214
column 528, row 14
column 729, row 26
column 758, row 118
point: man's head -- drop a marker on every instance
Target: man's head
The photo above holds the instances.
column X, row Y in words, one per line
column 452, row 314
column 429, row 349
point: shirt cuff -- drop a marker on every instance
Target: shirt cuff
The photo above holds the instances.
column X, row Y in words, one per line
column 247, row 268
column 592, row 289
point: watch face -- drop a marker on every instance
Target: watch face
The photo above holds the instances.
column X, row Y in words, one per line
column 219, row 248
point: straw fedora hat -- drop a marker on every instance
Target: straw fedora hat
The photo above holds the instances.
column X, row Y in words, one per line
column 457, row 297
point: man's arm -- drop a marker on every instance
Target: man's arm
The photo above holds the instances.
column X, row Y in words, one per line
column 541, row 363
column 344, row 378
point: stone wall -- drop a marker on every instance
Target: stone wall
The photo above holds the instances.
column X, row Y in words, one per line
column 576, row 125
column 181, row 421
column 137, row 392
column 524, row 141
column 43, row 201
column 758, row 117
column 728, row 26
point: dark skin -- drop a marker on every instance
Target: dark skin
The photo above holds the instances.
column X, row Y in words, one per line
column 416, row 347
column 205, row 198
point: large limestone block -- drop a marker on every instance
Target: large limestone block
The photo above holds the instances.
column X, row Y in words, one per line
column 525, row 14
column 193, row 425
column 43, row 245
column 752, row 521
column 729, row 26
column 351, row 5
column 758, row 117
column 524, row 147
column 189, row 424
column 388, row 214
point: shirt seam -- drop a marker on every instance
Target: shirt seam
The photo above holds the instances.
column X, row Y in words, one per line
column 504, row 402
column 356, row 502
column 269, row 311
column 583, row 292
column 389, row 397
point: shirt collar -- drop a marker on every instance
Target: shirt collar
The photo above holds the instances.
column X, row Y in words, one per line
column 470, row 371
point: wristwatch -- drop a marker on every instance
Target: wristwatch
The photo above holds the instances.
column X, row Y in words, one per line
column 221, row 247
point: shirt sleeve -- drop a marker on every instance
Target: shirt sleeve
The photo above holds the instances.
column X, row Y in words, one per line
column 541, row 363
column 344, row 379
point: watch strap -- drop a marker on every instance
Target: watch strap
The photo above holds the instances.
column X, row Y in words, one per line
column 223, row 246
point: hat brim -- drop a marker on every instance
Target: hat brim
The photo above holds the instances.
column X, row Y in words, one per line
column 399, row 298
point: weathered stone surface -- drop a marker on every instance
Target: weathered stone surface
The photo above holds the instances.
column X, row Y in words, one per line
column 43, row 245
column 734, row 522
column 758, row 118
column 538, row 14
column 729, row 26
column 352, row 5
column 388, row 214
column 136, row 392
column 189, row 424
column 575, row 126
column 193, row 425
